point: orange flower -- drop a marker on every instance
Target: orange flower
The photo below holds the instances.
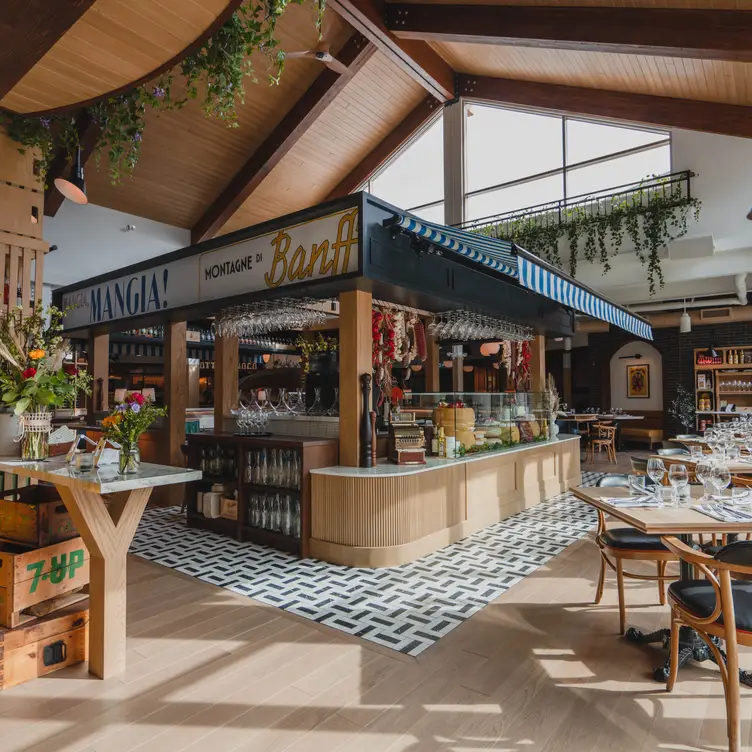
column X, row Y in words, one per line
column 111, row 420
column 37, row 354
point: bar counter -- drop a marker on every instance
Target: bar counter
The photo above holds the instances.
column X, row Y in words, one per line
column 392, row 514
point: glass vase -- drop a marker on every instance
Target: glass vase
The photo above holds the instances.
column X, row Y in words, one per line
column 129, row 460
column 35, row 436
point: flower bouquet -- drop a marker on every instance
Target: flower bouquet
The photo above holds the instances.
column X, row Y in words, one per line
column 34, row 378
column 125, row 424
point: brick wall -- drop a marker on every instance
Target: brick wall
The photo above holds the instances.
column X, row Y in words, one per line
column 591, row 383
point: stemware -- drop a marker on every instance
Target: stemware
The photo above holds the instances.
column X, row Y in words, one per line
column 720, row 477
column 703, row 470
column 656, row 471
column 678, row 477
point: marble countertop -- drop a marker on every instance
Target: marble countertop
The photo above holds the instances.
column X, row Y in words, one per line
column 384, row 468
column 102, row 480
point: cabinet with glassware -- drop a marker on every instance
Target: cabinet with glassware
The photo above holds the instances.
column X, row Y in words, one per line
column 256, row 488
column 723, row 383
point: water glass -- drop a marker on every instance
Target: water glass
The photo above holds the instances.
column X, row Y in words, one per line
column 678, row 477
column 656, row 470
column 695, row 452
column 741, row 498
column 637, row 485
column 733, row 452
column 720, row 477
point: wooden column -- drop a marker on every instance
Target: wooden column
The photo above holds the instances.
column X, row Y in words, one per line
column 225, row 379
column 538, row 364
column 432, row 363
column 176, row 390
column 355, row 347
column 567, row 377
column 99, row 367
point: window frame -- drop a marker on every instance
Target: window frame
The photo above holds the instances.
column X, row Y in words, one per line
column 566, row 166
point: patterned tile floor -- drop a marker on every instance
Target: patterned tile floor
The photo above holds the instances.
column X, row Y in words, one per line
column 406, row 608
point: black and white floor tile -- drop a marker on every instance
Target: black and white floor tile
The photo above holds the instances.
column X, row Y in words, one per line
column 406, row 608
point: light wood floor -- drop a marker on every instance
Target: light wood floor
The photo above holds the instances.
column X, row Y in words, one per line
column 539, row 669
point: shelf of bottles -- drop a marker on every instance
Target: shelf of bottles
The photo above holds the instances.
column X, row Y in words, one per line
column 219, row 463
column 723, row 383
column 272, row 479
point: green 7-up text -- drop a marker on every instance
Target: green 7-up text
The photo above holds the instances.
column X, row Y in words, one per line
column 60, row 568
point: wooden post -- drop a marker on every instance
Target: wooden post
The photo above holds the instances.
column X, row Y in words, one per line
column 432, row 363
column 567, row 377
column 99, row 368
column 355, row 347
column 225, row 379
column 538, row 364
column 176, row 399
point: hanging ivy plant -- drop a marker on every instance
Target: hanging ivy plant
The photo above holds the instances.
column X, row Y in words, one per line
column 651, row 216
column 216, row 73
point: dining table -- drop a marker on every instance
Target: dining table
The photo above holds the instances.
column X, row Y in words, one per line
column 742, row 466
column 669, row 520
column 616, row 419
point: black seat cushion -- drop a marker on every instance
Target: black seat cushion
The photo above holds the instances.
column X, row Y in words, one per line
column 628, row 537
column 699, row 597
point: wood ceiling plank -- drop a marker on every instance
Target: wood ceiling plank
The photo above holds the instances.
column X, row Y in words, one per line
column 415, row 57
column 725, row 119
column 687, row 33
column 28, row 30
column 392, row 143
column 355, row 53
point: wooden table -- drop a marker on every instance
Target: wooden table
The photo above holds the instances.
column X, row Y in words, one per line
column 681, row 522
column 107, row 528
column 736, row 468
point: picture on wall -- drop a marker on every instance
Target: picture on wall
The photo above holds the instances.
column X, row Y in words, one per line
column 638, row 382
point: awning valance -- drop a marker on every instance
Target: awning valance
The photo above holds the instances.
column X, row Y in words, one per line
column 530, row 271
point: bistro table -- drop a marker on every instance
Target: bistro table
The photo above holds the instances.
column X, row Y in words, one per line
column 107, row 528
column 617, row 419
column 738, row 467
column 682, row 522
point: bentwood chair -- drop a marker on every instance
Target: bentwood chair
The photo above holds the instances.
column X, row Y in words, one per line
column 604, row 437
column 715, row 607
column 620, row 544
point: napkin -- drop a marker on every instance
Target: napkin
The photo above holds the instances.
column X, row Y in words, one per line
column 632, row 501
column 724, row 513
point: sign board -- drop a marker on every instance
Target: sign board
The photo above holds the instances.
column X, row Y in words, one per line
column 319, row 249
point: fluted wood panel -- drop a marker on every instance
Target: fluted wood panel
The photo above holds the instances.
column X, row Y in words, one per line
column 390, row 511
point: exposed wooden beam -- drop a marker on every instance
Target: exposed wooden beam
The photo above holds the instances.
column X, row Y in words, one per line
column 416, row 58
column 394, row 141
column 88, row 133
column 28, row 28
column 354, row 54
column 686, row 32
column 693, row 115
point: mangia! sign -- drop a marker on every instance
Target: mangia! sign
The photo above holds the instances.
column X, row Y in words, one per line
column 322, row 248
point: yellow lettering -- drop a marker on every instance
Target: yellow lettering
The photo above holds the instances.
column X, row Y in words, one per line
column 297, row 263
column 344, row 240
column 281, row 245
column 319, row 251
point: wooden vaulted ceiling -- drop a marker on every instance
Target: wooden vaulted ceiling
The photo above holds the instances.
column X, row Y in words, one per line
column 318, row 135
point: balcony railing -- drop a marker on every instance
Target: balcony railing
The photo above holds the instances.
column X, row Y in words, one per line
column 512, row 225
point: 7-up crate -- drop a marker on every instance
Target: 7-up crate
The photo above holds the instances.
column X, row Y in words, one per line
column 30, row 577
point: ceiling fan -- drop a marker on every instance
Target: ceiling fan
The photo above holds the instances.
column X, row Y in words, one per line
column 322, row 54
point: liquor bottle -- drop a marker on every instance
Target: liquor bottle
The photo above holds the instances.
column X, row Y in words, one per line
column 442, row 442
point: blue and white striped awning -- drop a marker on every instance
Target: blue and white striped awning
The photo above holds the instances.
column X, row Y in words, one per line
column 536, row 277
column 529, row 270
column 493, row 253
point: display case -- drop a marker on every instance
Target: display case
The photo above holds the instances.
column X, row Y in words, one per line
column 476, row 422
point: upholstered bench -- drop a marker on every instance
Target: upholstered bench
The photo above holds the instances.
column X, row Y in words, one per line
column 648, row 435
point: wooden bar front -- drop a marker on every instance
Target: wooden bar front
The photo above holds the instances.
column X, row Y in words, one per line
column 393, row 514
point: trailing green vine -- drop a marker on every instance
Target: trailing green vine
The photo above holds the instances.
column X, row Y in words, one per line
column 650, row 217
column 216, row 74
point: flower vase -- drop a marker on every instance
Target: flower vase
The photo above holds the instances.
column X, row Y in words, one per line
column 35, row 435
column 553, row 429
column 129, row 460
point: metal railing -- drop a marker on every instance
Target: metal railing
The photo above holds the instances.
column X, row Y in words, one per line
column 508, row 225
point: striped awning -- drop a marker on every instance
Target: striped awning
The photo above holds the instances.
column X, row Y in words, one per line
column 530, row 271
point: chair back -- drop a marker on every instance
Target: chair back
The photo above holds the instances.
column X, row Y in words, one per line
column 639, row 465
column 613, row 480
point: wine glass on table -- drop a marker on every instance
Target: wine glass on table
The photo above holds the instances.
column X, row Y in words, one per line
column 678, row 477
column 703, row 470
column 656, row 471
column 720, row 477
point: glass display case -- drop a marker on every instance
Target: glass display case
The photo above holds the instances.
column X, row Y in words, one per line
column 477, row 422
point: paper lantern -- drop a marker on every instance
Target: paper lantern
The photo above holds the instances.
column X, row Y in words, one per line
column 493, row 347
column 417, row 367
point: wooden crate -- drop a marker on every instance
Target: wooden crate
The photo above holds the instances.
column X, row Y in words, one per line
column 46, row 645
column 35, row 516
column 28, row 577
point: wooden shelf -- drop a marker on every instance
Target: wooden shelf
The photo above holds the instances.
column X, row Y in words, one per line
column 271, row 538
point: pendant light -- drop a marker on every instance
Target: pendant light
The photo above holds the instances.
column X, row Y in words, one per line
column 685, row 322
column 749, row 214
column 75, row 187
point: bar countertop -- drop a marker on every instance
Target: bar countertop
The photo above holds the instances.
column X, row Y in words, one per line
column 384, row 468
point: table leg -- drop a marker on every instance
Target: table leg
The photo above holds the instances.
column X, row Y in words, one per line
column 107, row 530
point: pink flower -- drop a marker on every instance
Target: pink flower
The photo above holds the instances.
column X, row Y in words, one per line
column 138, row 398
column 29, row 373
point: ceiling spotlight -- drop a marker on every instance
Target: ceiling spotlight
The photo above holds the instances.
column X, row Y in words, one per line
column 749, row 214
column 74, row 188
